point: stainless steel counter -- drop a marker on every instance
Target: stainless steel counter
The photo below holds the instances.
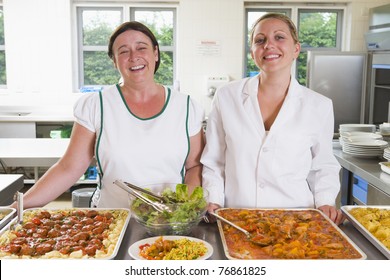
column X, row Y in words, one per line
column 210, row 233
column 366, row 168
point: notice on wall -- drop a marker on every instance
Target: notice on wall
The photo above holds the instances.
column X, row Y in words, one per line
column 208, row 48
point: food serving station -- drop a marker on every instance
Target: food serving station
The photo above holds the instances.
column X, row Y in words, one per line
column 210, row 234
column 123, row 234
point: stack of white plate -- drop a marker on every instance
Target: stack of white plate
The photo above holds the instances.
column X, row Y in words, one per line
column 386, row 154
column 358, row 136
column 365, row 148
column 357, row 127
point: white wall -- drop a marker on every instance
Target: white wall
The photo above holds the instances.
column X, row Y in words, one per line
column 39, row 46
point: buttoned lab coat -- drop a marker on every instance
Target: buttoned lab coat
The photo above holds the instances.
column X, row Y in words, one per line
column 292, row 165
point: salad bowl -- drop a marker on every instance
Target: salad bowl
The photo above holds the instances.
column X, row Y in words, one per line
column 187, row 206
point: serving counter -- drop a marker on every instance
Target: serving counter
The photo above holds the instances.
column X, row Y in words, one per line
column 210, row 234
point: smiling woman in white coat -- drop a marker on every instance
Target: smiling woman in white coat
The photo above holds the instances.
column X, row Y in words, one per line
column 268, row 138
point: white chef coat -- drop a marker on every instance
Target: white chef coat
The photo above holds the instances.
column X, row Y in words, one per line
column 140, row 151
column 290, row 166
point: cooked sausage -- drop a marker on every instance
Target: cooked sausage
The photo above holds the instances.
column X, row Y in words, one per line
column 29, row 225
column 53, row 233
column 91, row 213
column 87, row 221
column 43, row 248
column 90, row 250
column 44, row 215
column 81, row 236
column 27, row 250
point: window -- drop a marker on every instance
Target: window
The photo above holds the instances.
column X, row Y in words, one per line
column 318, row 29
column 3, row 75
column 160, row 21
column 95, row 25
column 95, row 28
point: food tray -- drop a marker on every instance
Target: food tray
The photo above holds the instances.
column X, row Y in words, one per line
column 360, row 253
column 8, row 213
column 382, row 248
column 118, row 243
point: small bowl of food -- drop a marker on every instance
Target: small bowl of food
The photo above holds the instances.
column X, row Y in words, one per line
column 187, row 206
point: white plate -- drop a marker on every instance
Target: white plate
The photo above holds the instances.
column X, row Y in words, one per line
column 134, row 248
column 374, row 152
column 359, row 134
column 357, row 127
column 385, row 166
column 368, row 143
column 361, row 155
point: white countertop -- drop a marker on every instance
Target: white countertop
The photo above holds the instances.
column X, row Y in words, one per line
column 32, row 151
column 36, row 114
column 8, row 179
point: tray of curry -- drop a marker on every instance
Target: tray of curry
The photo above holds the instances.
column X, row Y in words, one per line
column 284, row 234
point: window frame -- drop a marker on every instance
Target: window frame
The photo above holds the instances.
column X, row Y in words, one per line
column 294, row 12
column 81, row 47
column 2, row 49
column 127, row 13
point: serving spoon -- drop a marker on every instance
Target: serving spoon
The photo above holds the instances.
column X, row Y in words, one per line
column 256, row 239
column 18, row 197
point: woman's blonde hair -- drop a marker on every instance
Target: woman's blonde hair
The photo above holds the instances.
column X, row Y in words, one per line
column 282, row 17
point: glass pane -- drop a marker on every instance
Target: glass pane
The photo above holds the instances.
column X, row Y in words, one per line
column 1, row 27
column 251, row 68
column 252, row 17
column 317, row 29
column 3, row 77
column 99, row 69
column 98, row 26
column 302, row 65
column 160, row 23
column 164, row 74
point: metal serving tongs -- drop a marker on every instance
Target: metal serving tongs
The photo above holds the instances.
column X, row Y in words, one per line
column 160, row 198
column 18, row 197
column 156, row 205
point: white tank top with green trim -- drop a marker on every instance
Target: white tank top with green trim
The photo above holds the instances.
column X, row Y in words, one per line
column 140, row 151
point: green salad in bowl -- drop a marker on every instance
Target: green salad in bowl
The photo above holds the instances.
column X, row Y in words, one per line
column 187, row 207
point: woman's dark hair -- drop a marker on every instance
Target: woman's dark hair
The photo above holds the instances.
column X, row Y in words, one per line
column 137, row 26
